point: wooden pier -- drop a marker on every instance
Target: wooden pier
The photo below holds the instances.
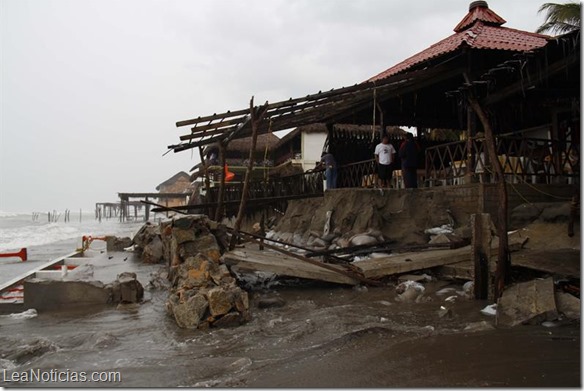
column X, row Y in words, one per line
column 122, row 209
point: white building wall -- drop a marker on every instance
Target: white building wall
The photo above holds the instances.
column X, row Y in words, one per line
column 312, row 144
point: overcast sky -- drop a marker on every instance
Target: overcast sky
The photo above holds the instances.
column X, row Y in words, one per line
column 91, row 90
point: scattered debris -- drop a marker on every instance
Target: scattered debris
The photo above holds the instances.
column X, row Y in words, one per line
column 490, row 310
column 409, row 291
column 28, row 314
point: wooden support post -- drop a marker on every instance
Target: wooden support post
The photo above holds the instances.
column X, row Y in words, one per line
column 221, row 195
column 262, row 229
column 206, row 177
column 256, row 118
column 573, row 214
column 503, row 261
column 480, row 224
column 147, row 211
column 470, row 134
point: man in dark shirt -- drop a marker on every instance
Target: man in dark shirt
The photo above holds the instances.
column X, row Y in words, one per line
column 408, row 153
column 331, row 169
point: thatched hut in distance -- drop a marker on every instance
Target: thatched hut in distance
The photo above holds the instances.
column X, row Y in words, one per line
column 178, row 183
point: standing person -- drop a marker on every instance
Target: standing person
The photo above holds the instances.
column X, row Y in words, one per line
column 384, row 157
column 408, row 153
column 331, row 169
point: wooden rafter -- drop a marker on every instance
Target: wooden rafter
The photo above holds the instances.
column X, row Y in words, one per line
column 290, row 113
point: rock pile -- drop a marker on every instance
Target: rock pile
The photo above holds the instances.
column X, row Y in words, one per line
column 203, row 292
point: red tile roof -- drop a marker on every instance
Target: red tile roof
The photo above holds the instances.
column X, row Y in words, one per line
column 479, row 29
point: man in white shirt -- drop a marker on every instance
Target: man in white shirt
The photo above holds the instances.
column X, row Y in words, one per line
column 384, row 156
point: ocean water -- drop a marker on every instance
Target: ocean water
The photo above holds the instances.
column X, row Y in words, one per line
column 46, row 240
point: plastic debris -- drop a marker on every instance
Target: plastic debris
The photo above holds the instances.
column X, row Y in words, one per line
column 490, row 310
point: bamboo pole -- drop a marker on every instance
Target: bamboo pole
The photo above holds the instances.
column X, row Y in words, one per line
column 256, row 118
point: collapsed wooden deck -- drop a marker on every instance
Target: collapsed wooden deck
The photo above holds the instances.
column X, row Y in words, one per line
column 252, row 259
column 454, row 262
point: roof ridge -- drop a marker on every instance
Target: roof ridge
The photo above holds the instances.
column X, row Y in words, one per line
column 479, row 12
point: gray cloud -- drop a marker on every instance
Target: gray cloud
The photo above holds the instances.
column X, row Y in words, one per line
column 91, row 89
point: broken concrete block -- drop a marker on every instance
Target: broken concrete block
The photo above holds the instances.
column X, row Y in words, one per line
column 568, row 305
column 131, row 291
column 527, row 302
column 52, row 294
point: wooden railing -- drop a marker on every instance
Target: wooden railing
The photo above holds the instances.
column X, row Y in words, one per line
column 359, row 174
column 309, row 183
column 523, row 160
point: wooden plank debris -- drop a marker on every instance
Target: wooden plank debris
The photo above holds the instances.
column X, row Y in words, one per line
column 407, row 262
column 271, row 261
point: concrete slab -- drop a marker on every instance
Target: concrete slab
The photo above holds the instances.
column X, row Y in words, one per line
column 527, row 302
column 561, row 262
column 51, row 294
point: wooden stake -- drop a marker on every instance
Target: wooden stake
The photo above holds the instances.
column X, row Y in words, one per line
column 481, row 253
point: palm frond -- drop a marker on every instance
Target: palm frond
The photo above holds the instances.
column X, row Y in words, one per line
column 560, row 18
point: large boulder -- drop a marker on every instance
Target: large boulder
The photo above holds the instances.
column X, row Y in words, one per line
column 153, row 251
column 188, row 314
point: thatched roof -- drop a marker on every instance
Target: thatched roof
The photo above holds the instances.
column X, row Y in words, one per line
column 443, row 134
column 268, row 140
column 243, row 145
column 173, row 179
column 341, row 129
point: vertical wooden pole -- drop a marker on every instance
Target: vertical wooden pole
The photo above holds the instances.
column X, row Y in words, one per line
column 206, row 178
column 470, row 134
column 481, row 253
column 221, row 195
column 256, row 118
column 503, row 260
